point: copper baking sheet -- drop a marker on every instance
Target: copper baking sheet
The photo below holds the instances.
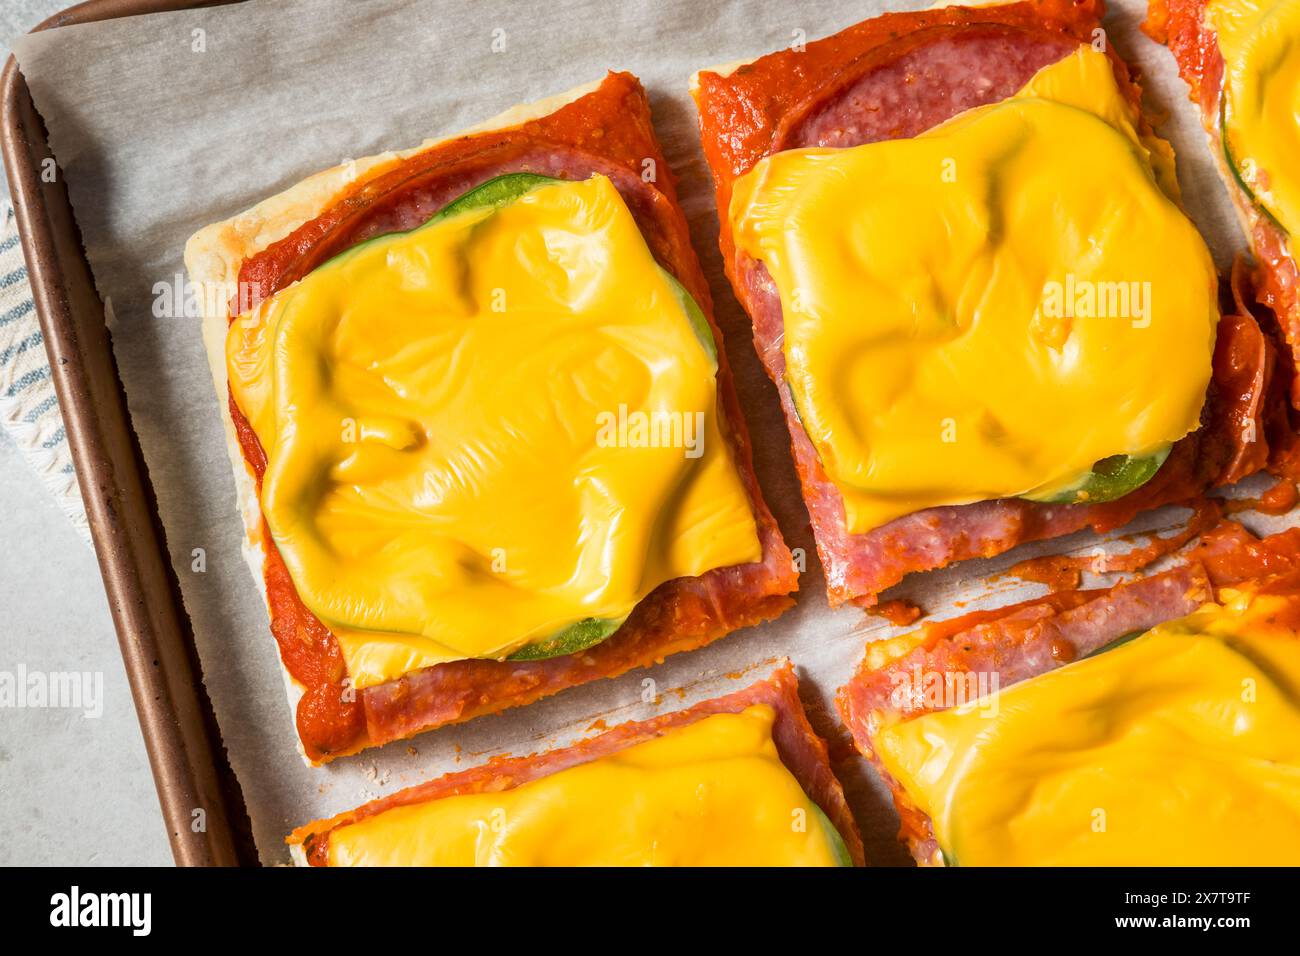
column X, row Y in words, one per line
column 200, row 800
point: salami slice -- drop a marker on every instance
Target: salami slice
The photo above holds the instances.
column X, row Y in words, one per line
column 1020, row 642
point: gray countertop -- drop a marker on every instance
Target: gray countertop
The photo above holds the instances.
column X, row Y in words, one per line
column 75, row 787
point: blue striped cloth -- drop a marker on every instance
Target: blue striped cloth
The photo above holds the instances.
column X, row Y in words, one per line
column 29, row 411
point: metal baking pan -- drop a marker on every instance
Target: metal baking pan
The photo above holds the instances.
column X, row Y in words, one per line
column 200, row 798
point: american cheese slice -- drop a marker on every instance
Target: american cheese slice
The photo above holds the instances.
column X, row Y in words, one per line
column 990, row 308
column 711, row 793
column 488, row 429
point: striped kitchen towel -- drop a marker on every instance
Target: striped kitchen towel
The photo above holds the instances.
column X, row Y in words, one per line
column 29, row 412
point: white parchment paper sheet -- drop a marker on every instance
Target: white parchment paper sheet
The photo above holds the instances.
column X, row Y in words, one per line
column 164, row 123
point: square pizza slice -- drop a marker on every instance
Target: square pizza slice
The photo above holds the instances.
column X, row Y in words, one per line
column 486, row 442
column 1156, row 723
column 969, row 275
column 1239, row 60
column 738, row 780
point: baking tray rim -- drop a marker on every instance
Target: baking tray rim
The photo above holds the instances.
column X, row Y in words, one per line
column 201, row 804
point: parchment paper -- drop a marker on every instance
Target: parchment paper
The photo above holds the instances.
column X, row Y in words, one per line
column 164, row 123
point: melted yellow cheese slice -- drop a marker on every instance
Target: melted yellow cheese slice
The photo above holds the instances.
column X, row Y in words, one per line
column 990, row 308
column 712, row 793
column 486, row 430
column 1260, row 44
column 1180, row 747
